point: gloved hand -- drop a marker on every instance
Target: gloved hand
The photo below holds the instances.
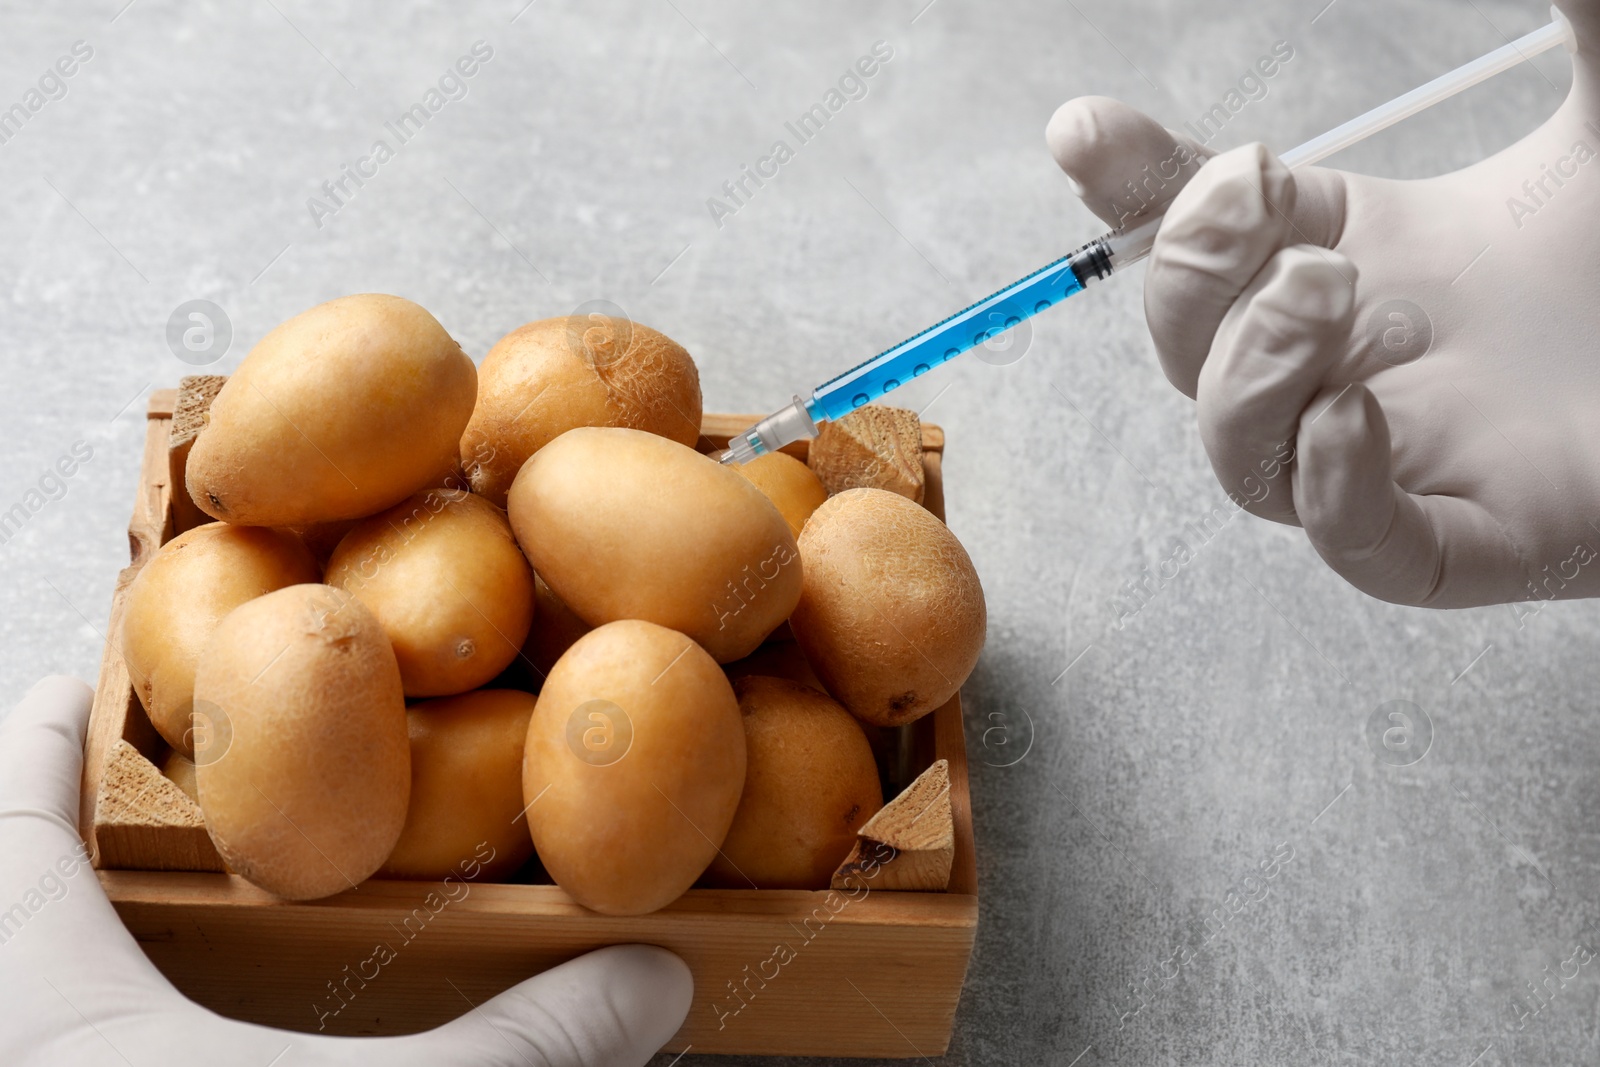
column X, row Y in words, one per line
column 76, row 989
column 1293, row 308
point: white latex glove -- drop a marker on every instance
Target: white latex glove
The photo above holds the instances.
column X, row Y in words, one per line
column 1470, row 475
column 75, row 989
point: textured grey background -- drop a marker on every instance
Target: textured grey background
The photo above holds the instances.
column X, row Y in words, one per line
column 1228, row 716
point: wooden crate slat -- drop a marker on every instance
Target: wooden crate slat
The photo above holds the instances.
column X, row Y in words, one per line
column 906, row 954
column 115, row 714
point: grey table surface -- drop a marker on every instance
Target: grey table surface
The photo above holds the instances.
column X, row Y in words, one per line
column 1126, row 781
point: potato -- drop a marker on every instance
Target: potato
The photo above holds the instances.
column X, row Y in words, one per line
column 554, row 630
column 179, row 596
column 548, row 377
column 466, row 787
column 810, row 783
column 339, row 412
column 634, row 764
column 180, row 770
column 447, row 582
column 627, row 525
column 305, row 780
column 791, row 486
column 891, row 615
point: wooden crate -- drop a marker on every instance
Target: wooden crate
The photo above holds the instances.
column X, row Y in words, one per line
column 879, row 975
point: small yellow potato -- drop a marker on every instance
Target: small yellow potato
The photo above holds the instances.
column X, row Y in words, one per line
column 178, row 597
column 306, row 775
column 340, row 412
column 545, row 378
column 624, row 524
column 180, row 769
column 554, row 629
column 891, row 615
column 789, row 484
column 466, row 787
column 448, row 583
column 810, row 783
column 634, row 764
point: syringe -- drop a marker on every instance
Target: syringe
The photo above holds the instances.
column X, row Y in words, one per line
column 1100, row 258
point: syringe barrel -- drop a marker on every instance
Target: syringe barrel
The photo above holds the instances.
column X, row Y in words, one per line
column 1129, row 246
column 1114, row 251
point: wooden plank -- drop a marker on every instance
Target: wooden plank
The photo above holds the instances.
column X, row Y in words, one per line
column 933, row 483
column 911, row 838
column 876, row 447
column 109, row 715
column 245, row 954
column 162, row 403
column 950, row 744
column 143, row 819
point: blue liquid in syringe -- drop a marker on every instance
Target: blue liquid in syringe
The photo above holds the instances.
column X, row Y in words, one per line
column 945, row 340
